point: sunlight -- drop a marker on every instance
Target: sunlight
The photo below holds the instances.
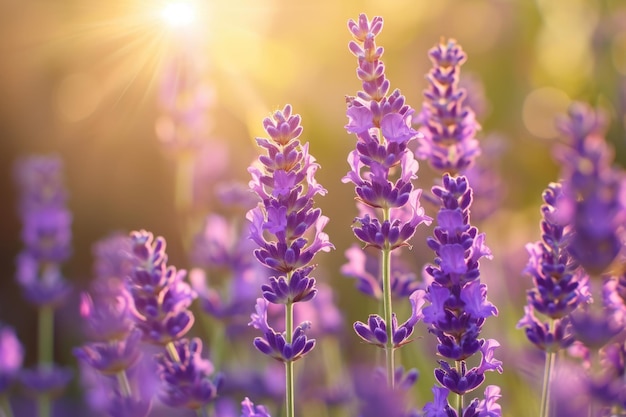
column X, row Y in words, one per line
column 178, row 14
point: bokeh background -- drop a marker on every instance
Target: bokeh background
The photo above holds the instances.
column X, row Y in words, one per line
column 81, row 79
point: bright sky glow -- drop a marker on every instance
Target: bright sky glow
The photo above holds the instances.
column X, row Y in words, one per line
column 178, row 14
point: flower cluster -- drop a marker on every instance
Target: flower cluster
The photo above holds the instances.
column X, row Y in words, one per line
column 448, row 125
column 46, row 230
column 382, row 169
column 458, row 300
column 161, row 300
column 560, row 286
column 594, row 189
column 289, row 233
column 284, row 179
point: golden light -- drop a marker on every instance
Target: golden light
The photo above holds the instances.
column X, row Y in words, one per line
column 178, row 14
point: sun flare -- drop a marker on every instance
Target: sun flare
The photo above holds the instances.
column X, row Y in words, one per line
column 178, row 14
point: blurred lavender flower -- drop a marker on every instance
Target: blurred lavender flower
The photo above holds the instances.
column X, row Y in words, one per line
column 11, row 358
column 365, row 268
column 160, row 296
column 560, row 286
column 594, row 188
column 187, row 376
column 448, row 124
column 161, row 301
column 46, row 230
column 248, row 409
column 376, row 398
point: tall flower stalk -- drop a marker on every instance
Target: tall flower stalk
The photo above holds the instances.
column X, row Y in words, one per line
column 560, row 286
column 458, row 300
column 47, row 236
column 382, row 169
column 289, row 232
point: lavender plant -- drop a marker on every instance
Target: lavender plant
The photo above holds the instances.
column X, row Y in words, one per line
column 382, row 170
column 160, row 307
column 115, row 347
column 458, row 300
column 46, row 234
column 289, row 232
column 560, row 286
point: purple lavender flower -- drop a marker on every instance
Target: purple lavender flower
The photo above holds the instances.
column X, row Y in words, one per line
column 248, row 409
column 458, row 300
column 448, row 125
column 594, row 189
column 375, row 331
column 382, row 169
column 11, row 358
column 46, row 230
column 47, row 379
column 278, row 345
column 161, row 297
column 559, row 283
column 187, row 376
column 287, row 229
column 365, row 268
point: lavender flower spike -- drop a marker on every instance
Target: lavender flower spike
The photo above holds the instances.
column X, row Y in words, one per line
column 161, row 297
column 448, row 125
column 248, row 409
column 382, row 169
column 289, row 233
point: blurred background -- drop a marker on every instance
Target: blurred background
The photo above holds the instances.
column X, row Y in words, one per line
column 83, row 80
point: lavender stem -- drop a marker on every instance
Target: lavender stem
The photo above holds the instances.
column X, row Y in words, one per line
column 122, row 381
column 6, row 409
column 545, row 392
column 45, row 352
column 289, row 394
column 387, row 310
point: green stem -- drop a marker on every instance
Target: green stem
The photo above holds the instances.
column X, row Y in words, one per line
column 45, row 346
column 289, row 395
column 123, row 383
column 460, row 403
column 545, row 392
column 6, row 409
column 45, row 343
column 388, row 310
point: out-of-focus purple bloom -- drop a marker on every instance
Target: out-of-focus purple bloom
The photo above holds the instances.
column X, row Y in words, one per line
column 41, row 286
column 112, row 356
column 161, row 297
column 11, row 357
column 46, row 379
column 40, row 181
column 113, row 259
column 275, row 344
column 365, row 268
column 46, row 229
column 187, row 376
column 375, row 331
column 248, row 409
column 489, row 406
column 560, row 285
column 448, row 125
column 322, row 311
column 439, row 407
column 123, row 406
column 377, row 399
column 107, row 316
column 594, row 189
column 545, row 337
